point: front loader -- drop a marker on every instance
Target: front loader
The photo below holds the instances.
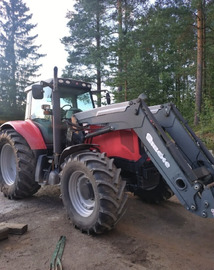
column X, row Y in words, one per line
column 96, row 155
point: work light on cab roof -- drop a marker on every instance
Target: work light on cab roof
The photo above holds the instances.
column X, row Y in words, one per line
column 74, row 83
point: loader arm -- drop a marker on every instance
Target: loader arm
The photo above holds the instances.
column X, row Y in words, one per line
column 180, row 157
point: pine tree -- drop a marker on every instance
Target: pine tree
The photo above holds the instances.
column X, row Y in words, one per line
column 205, row 64
column 209, row 51
column 158, row 51
column 124, row 21
column 86, row 43
column 134, row 47
column 18, row 54
column 173, row 46
column 200, row 57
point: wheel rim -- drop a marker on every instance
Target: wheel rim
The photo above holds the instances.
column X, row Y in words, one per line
column 81, row 194
column 8, row 164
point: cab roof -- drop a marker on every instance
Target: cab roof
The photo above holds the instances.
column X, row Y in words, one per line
column 65, row 82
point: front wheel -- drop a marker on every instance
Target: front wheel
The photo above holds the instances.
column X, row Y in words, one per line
column 92, row 191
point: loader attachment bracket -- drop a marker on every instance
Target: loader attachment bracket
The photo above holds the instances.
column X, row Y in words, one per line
column 181, row 158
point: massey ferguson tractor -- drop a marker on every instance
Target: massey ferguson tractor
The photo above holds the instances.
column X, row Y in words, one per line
column 98, row 154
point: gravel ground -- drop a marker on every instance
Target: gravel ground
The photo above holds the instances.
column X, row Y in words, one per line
column 153, row 237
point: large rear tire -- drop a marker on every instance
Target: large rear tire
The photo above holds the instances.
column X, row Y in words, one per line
column 92, row 191
column 17, row 166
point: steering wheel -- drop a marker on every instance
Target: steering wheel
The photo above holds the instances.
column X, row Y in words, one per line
column 64, row 111
column 66, row 105
column 71, row 109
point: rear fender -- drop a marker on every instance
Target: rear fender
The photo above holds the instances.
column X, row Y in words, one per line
column 29, row 131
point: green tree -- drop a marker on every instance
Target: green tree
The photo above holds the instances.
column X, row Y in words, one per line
column 122, row 49
column 209, row 51
column 18, row 54
column 86, row 44
column 137, row 47
column 160, row 53
column 200, row 18
column 204, row 101
column 172, row 36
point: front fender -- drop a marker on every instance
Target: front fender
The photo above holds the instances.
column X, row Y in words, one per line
column 76, row 148
column 29, row 131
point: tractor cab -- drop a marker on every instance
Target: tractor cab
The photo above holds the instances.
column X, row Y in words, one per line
column 75, row 96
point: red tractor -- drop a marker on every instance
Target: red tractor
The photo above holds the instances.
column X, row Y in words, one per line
column 97, row 154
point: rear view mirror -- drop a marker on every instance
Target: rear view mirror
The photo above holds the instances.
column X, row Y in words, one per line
column 46, row 109
column 108, row 98
column 37, row 91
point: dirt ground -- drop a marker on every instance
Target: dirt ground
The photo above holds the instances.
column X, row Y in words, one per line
column 153, row 237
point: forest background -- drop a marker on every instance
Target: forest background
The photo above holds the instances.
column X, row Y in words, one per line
column 164, row 49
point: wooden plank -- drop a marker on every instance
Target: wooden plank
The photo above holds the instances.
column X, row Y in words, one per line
column 14, row 228
column 4, row 233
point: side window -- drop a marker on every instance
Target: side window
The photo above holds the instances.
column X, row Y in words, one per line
column 36, row 109
column 84, row 102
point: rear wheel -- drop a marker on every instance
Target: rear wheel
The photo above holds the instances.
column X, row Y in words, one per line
column 92, row 191
column 17, row 166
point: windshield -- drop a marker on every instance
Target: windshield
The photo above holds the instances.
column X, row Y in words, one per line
column 71, row 101
column 76, row 99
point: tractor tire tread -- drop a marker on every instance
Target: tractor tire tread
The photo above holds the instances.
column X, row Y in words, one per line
column 24, row 185
column 112, row 197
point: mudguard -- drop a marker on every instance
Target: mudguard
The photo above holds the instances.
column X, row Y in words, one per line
column 29, row 131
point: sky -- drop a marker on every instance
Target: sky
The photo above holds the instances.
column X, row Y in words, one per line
column 51, row 23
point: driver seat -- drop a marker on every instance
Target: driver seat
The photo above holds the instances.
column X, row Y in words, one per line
column 45, row 126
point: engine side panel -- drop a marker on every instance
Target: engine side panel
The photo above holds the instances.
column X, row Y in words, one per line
column 29, row 131
column 120, row 143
